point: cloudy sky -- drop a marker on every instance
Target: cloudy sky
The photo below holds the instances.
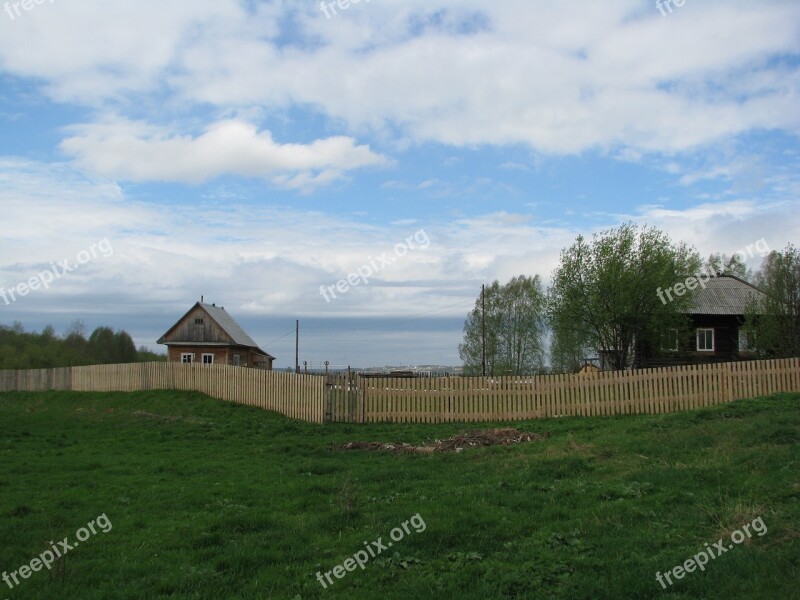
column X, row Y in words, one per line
column 255, row 151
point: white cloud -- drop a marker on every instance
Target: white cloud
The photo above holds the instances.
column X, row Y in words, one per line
column 558, row 76
column 90, row 52
column 265, row 260
column 727, row 226
column 139, row 152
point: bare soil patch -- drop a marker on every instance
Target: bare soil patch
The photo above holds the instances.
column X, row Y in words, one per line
column 471, row 439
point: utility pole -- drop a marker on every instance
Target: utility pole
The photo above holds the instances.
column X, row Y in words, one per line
column 297, row 347
column 483, row 330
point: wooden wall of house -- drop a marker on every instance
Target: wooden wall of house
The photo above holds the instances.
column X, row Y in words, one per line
column 222, row 355
column 188, row 331
column 726, row 345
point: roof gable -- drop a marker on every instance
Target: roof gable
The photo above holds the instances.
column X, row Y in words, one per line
column 232, row 330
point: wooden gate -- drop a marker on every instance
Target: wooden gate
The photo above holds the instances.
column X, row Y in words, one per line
column 344, row 398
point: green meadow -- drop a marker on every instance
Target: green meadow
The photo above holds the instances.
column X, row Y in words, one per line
column 215, row 500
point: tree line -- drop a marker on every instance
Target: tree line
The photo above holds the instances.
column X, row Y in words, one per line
column 604, row 299
column 20, row 349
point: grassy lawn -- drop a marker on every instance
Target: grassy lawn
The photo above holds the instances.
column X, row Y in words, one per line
column 214, row 500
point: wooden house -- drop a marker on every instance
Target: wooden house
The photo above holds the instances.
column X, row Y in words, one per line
column 715, row 331
column 209, row 335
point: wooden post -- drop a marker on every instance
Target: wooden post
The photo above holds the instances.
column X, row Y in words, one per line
column 297, row 347
column 483, row 330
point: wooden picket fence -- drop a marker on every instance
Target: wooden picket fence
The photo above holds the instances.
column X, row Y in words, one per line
column 646, row 391
column 353, row 399
column 294, row 395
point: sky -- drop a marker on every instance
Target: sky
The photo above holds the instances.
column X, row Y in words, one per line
column 261, row 153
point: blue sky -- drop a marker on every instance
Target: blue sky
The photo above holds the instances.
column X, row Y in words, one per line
column 254, row 152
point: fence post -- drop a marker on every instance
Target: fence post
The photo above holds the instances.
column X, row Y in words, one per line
column 362, row 399
column 728, row 381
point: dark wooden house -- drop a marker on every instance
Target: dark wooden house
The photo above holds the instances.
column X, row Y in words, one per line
column 209, row 335
column 715, row 327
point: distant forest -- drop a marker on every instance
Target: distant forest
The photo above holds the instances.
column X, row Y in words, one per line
column 30, row 350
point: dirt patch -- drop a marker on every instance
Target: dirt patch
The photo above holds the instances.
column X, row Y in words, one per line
column 457, row 443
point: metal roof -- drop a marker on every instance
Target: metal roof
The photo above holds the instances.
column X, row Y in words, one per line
column 231, row 327
column 723, row 295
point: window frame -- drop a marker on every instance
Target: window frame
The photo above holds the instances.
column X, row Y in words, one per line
column 704, row 331
column 189, row 355
column 207, row 355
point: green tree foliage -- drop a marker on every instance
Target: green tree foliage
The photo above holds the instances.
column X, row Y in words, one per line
column 605, row 292
column 568, row 350
column 728, row 265
column 774, row 324
column 107, row 347
column 22, row 350
column 515, row 329
column 124, row 348
column 103, row 345
column 143, row 354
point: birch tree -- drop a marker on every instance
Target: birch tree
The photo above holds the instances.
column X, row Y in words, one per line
column 515, row 326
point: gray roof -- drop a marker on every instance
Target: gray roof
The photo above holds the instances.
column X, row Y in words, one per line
column 231, row 327
column 723, row 295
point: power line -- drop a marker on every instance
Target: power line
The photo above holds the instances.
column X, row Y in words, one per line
column 290, row 332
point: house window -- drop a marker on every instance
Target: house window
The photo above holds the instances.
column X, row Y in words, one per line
column 746, row 342
column 187, row 357
column 237, row 360
column 198, row 321
column 208, row 359
column 671, row 340
column 705, row 340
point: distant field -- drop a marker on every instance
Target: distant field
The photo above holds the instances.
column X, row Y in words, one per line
column 216, row 500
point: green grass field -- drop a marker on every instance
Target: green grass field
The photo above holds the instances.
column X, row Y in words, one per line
column 214, row 500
